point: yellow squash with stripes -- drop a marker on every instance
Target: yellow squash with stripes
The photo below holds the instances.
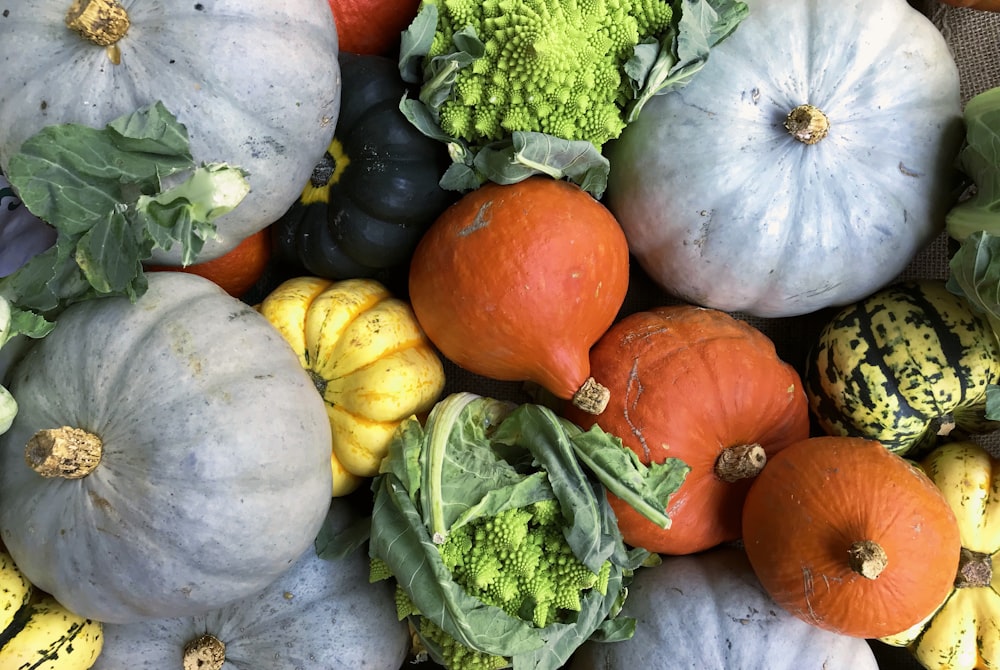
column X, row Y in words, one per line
column 905, row 366
column 38, row 632
column 368, row 357
column 964, row 632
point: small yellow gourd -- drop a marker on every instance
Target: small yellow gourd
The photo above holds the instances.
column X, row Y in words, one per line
column 964, row 632
column 369, row 359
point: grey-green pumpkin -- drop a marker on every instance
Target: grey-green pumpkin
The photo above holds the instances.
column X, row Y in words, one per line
column 212, row 474
column 905, row 366
column 322, row 613
column 708, row 611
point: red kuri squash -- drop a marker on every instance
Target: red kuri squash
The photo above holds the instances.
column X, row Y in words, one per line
column 702, row 386
column 851, row 537
column 516, row 282
column 372, row 27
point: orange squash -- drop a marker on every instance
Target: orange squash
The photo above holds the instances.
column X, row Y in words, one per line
column 372, row 27
column 516, row 282
column 851, row 537
column 702, row 386
column 983, row 5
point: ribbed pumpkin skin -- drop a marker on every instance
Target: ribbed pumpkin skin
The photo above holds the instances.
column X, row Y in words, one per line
column 819, row 496
column 688, row 382
column 321, row 613
column 375, row 191
column 215, row 474
column 516, row 282
column 902, row 364
column 709, row 612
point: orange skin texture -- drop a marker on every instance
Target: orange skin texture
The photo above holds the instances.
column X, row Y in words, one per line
column 372, row 27
column 982, row 5
column 688, row 382
column 236, row 271
column 516, row 282
column 819, row 496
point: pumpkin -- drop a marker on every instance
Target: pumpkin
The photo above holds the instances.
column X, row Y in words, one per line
column 37, row 632
column 702, row 386
column 805, row 165
column 515, row 282
column 374, row 191
column 370, row 361
column 907, row 365
column 321, row 613
column 850, row 537
column 223, row 68
column 372, row 26
column 719, row 617
column 964, row 632
column 169, row 456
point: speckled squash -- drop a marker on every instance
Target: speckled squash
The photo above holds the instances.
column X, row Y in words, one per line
column 905, row 366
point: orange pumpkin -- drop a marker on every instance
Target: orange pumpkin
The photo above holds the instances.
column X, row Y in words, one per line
column 850, row 537
column 984, row 5
column 699, row 385
column 372, row 27
column 516, row 282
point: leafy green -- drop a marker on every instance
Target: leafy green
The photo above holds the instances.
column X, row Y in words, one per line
column 472, row 459
column 980, row 161
column 103, row 191
column 657, row 65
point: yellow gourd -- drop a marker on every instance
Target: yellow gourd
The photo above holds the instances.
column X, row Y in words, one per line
column 964, row 632
column 369, row 358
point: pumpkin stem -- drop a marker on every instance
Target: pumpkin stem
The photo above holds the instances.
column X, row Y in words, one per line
column 974, row 569
column 592, row 396
column 740, row 462
column 102, row 22
column 70, row 453
column 204, row 653
column 807, row 124
column 867, row 558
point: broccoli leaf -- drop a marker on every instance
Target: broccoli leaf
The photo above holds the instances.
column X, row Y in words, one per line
column 980, row 160
column 656, row 69
column 475, row 457
column 102, row 190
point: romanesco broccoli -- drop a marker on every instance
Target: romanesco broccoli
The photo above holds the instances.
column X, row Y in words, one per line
column 549, row 66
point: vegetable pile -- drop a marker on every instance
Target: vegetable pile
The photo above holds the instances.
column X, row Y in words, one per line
column 497, row 385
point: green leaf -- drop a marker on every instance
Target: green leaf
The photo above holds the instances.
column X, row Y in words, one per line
column 682, row 53
column 101, row 189
column 415, row 43
column 980, row 160
column 975, row 274
column 993, row 402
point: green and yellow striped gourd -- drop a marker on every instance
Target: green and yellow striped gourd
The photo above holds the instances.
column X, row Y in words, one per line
column 36, row 632
column 906, row 365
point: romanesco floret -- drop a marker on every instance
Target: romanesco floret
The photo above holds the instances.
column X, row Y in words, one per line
column 520, row 562
column 550, row 66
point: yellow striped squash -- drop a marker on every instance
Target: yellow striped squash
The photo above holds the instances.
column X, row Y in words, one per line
column 906, row 365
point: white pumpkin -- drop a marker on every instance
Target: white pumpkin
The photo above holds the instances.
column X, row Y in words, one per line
column 256, row 84
column 708, row 611
column 198, row 467
column 725, row 208
column 321, row 614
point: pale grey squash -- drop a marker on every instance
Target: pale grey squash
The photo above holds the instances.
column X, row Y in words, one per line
column 322, row 614
column 256, row 84
column 708, row 611
column 724, row 208
column 214, row 475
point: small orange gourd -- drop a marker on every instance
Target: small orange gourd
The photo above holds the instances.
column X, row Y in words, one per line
column 850, row 537
column 515, row 282
column 702, row 386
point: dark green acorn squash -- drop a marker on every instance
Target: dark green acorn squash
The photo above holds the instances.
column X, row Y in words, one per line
column 375, row 191
column 906, row 366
